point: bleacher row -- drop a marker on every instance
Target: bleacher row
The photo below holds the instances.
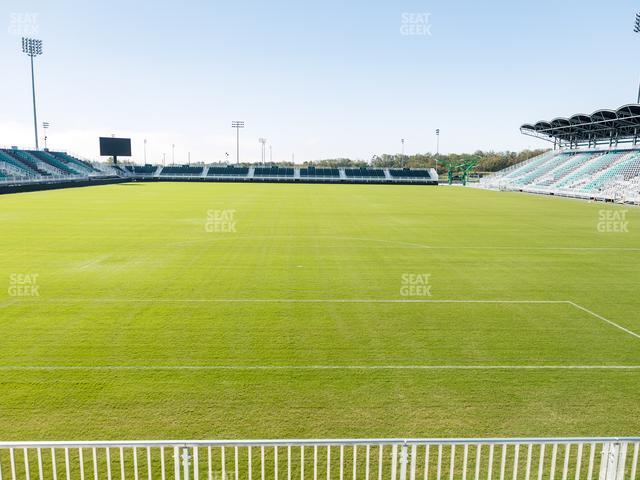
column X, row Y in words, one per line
column 595, row 174
column 277, row 173
column 16, row 164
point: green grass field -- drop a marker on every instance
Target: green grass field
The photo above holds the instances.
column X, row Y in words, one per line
column 147, row 324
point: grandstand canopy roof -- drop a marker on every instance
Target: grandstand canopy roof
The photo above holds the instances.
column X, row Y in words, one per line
column 602, row 126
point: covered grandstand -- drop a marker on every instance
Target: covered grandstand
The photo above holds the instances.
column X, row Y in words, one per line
column 595, row 157
column 602, row 127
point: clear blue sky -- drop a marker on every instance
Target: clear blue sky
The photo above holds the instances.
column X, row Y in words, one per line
column 321, row 80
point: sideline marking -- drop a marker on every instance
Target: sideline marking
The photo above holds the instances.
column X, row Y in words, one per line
column 283, row 300
column 322, row 367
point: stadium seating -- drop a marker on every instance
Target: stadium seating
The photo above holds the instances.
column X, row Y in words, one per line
column 54, row 162
column 14, row 166
column 29, row 162
column 600, row 174
column 74, row 163
column 409, row 173
column 228, row 171
column 29, row 166
column 182, row 170
column 313, row 172
column 364, row 172
column 288, row 174
column 274, row 171
column 141, row 169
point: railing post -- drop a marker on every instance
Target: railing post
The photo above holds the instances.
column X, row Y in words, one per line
column 612, row 461
column 404, row 460
column 186, row 457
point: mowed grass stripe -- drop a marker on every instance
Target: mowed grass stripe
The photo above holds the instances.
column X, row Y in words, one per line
column 160, row 404
column 337, row 334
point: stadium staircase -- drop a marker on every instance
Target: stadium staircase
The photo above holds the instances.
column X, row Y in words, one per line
column 609, row 175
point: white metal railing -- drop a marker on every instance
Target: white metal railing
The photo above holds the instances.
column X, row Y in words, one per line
column 19, row 180
column 377, row 459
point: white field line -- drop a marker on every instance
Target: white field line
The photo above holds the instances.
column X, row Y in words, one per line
column 275, row 300
column 614, row 324
column 316, row 367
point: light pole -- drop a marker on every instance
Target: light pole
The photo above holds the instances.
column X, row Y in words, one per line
column 33, row 47
column 173, row 154
column 437, row 147
column 45, row 126
column 262, row 141
column 270, row 154
column 237, row 124
column 145, row 151
column 636, row 29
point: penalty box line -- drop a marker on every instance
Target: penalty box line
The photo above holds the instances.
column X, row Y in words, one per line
column 327, row 300
column 312, row 367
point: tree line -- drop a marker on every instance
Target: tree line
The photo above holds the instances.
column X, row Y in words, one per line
column 489, row 161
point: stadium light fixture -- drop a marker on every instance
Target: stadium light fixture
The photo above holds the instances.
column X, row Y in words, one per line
column 263, row 142
column 45, row 126
column 33, row 48
column 237, row 124
column 636, row 29
column 437, row 147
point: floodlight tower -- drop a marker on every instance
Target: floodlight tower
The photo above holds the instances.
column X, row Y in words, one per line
column 262, row 141
column 33, row 48
column 636, row 29
column 237, row 124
